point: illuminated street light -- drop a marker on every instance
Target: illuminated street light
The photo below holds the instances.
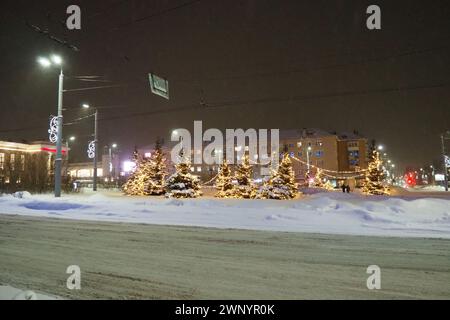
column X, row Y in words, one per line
column 380, row 147
column 72, row 138
column 56, row 59
column 47, row 63
column 44, row 62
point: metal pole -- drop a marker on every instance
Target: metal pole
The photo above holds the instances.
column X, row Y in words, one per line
column 307, row 159
column 58, row 159
column 96, row 150
column 67, row 153
column 445, row 164
column 110, row 164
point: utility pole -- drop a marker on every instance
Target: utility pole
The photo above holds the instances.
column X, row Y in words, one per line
column 58, row 159
column 96, row 149
column 445, row 162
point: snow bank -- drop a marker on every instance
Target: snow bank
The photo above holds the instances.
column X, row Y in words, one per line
column 333, row 212
column 10, row 293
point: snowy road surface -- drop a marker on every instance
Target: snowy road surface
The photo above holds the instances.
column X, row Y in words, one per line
column 136, row 261
column 330, row 213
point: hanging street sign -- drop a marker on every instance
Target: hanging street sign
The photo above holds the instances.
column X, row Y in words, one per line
column 159, row 86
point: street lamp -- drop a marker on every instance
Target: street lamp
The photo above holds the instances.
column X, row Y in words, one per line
column 307, row 158
column 445, row 136
column 71, row 139
column 380, row 147
column 87, row 106
column 47, row 63
column 113, row 146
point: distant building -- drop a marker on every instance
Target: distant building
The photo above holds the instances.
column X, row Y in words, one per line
column 339, row 152
column 108, row 169
column 27, row 164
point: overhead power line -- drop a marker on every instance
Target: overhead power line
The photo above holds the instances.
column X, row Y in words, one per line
column 237, row 103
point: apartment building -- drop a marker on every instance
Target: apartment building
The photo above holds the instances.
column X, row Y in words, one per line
column 338, row 152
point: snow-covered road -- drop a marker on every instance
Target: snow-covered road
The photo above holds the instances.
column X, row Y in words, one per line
column 333, row 213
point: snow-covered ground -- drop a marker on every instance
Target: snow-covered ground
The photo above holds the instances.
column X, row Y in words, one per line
column 10, row 293
column 334, row 212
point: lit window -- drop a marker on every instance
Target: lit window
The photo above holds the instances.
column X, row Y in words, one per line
column 12, row 160
column 2, row 161
column 319, row 143
column 299, row 144
column 199, row 169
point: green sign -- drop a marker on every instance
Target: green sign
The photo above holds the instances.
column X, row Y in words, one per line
column 159, row 86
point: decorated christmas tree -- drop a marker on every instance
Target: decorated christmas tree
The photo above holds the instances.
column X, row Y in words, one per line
column 281, row 185
column 182, row 184
column 320, row 180
column 374, row 182
column 135, row 185
column 224, row 181
column 157, row 171
column 243, row 175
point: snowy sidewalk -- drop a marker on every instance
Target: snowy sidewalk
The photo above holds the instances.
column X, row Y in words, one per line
column 332, row 213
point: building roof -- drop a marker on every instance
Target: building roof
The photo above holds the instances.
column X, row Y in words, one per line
column 350, row 136
column 304, row 133
column 311, row 133
column 38, row 146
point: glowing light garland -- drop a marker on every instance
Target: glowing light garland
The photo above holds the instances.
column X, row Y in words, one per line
column 91, row 150
column 360, row 173
column 53, row 131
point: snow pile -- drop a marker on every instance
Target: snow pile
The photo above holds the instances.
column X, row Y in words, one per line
column 10, row 293
column 334, row 213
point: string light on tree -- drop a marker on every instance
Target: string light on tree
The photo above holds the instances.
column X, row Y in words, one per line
column 374, row 183
column 281, row 185
column 182, row 184
column 224, row 181
column 243, row 176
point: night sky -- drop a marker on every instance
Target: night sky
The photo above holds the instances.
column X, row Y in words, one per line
column 233, row 64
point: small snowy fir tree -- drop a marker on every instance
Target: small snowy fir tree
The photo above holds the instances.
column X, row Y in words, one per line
column 182, row 184
column 281, row 185
column 135, row 185
column 243, row 175
column 374, row 182
column 224, row 181
column 157, row 171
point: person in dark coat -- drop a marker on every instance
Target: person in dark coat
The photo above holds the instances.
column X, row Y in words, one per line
column 347, row 189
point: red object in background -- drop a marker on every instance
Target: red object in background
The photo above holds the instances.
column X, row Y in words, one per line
column 52, row 150
column 410, row 179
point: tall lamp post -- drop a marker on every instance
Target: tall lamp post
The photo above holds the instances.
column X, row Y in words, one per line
column 443, row 138
column 111, row 147
column 86, row 106
column 308, row 151
column 71, row 139
column 47, row 63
